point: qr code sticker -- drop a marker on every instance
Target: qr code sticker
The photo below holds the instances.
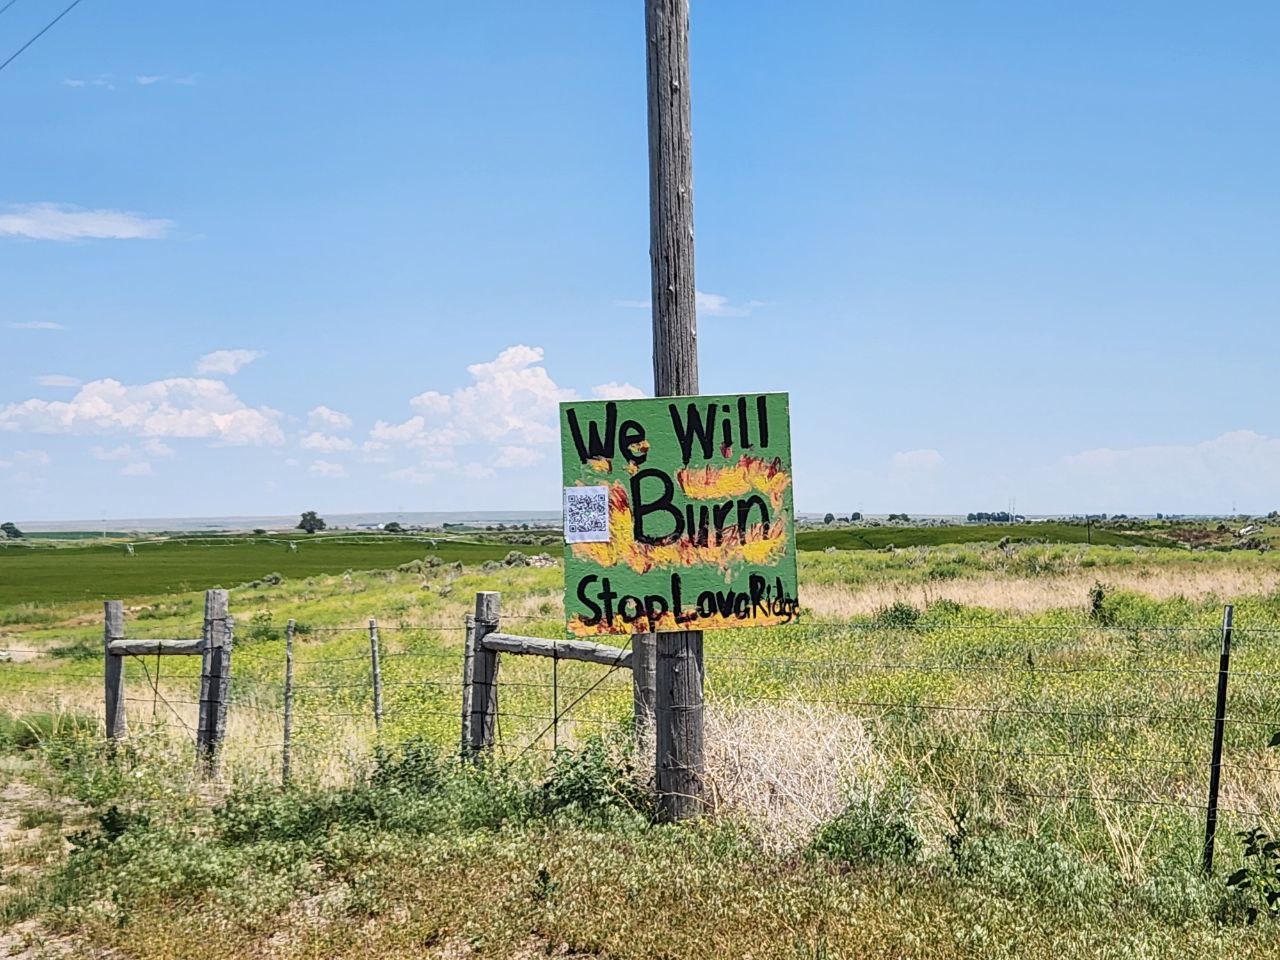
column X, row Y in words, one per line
column 586, row 514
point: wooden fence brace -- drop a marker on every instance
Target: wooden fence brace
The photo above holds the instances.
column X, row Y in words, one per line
column 377, row 675
column 1219, row 723
column 582, row 650
column 484, row 673
column 215, row 679
column 468, row 663
column 285, row 758
column 113, row 669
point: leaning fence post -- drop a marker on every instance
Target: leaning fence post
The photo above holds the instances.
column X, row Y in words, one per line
column 377, row 675
column 1219, row 722
column 484, row 673
column 215, row 679
column 285, row 757
column 113, row 670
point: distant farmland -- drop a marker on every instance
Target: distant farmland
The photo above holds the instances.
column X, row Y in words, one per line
column 66, row 571
column 875, row 538
column 42, row 574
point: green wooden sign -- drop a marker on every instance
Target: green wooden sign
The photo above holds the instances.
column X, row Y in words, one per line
column 678, row 514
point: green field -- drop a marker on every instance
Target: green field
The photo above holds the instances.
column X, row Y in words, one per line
column 42, row 574
column 875, row 538
column 36, row 572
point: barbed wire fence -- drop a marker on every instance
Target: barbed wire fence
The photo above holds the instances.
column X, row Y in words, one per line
column 1009, row 714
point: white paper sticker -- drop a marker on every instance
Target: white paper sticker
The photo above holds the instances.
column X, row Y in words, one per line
column 586, row 514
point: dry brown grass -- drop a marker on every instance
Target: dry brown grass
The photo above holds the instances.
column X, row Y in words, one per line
column 1037, row 594
column 785, row 771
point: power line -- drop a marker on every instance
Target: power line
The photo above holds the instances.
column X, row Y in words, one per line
column 8, row 5
column 46, row 29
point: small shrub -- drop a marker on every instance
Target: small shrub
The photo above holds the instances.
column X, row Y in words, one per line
column 1259, row 879
column 875, row 829
column 596, row 780
column 899, row 614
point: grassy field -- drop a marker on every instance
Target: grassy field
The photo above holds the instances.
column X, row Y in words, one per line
column 876, row 538
column 967, row 751
column 57, row 568
column 38, row 574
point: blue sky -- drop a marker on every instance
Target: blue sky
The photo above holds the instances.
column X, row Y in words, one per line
column 259, row 258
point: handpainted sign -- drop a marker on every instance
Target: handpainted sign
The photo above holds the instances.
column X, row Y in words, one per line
column 678, row 514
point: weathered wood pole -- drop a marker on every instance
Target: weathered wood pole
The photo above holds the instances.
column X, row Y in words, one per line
column 644, row 693
column 484, row 674
column 679, row 704
column 113, row 670
column 286, row 757
column 377, row 675
column 468, row 666
column 215, row 679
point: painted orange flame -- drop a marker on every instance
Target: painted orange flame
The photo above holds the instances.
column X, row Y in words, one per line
column 748, row 474
column 757, row 546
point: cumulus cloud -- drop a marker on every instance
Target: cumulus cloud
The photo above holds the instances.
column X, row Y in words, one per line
column 157, row 448
column 32, row 458
column 53, row 221
column 325, row 468
column 325, row 443
column 57, row 380
column 916, row 460
column 514, row 456
column 227, row 362
column 139, row 469
column 36, row 325
column 617, row 391
column 323, row 417
column 512, row 402
column 123, row 452
column 179, row 407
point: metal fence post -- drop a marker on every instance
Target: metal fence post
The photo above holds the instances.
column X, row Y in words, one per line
column 1219, row 722
column 215, row 679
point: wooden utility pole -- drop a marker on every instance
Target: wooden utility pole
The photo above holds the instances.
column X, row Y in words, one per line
column 679, row 706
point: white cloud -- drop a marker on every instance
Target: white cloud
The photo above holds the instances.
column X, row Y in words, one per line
column 374, row 451
column 53, row 221
column 324, row 468
column 478, row 471
column 139, row 469
column 617, row 391
column 416, row 475
column 37, row 325
column 157, row 448
column 512, row 401
column 179, row 407
column 123, row 452
column 511, row 456
column 146, row 81
column 916, row 460
column 104, row 81
column 35, row 458
column 227, row 362
column 327, row 418
column 325, row 443
column 57, row 380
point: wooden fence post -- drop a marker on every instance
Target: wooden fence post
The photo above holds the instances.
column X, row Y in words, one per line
column 113, row 670
column 468, row 665
column 484, row 673
column 377, row 675
column 215, row 679
column 644, row 684
column 285, row 758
